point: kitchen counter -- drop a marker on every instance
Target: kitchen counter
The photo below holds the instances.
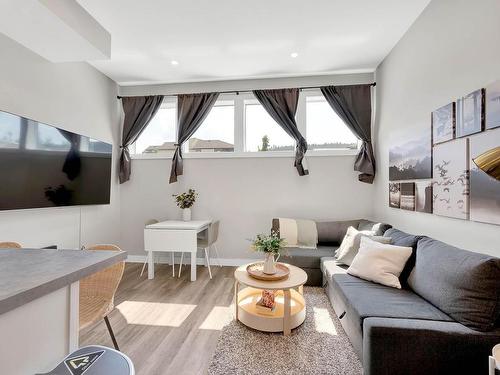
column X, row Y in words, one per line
column 39, row 304
column 27, row 274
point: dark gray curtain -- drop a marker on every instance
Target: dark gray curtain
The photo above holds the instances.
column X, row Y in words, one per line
column 72, row 163
column 139, row 110
column 281, row 105
column 192, row 109
column 353, row 105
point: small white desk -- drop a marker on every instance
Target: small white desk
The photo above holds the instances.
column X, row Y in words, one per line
column 173, row 236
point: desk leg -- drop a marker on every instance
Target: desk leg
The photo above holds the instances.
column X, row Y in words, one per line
column 151, row 266
column 193, row 266
column 286, row 316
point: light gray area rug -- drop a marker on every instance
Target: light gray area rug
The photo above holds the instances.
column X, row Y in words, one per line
column 318, row 346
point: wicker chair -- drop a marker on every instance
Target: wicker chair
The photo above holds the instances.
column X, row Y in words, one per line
column 10, row 245
column 97, row 293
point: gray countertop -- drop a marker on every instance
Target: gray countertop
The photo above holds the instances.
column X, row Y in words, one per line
column 28, row 274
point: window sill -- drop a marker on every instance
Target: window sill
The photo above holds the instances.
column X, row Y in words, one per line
column 242, row 155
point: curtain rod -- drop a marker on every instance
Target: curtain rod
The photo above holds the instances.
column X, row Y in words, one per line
column 237, row 92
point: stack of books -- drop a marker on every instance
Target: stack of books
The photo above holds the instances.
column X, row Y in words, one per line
column 266, row 304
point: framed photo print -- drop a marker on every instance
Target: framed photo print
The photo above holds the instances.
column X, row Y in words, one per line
column 470, row 114
column 492, row 104
column 410, row 155
column 423, row 196
column 484, row 188
column 408, row 196
column 443, row 124
column 394, row 194
column 450, row 184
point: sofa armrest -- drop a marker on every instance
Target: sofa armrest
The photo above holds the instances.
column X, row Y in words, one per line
column 418, row 347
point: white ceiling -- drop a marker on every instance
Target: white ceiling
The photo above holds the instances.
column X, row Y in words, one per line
column 234, row 39
column 60, row 31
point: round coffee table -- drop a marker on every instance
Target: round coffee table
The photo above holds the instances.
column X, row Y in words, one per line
column 290, row 310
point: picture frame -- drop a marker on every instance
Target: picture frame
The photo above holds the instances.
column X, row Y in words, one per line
column 492, row 105
column 410, row 155
column 470, row 114
column 450, row 184
column 394, row 194
column 423, row 196
column 443, row 121
column 407, row 200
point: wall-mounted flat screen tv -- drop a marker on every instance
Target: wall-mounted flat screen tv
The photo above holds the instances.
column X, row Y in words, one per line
column 44, row 166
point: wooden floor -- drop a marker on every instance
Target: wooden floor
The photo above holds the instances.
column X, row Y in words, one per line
column 167, row 325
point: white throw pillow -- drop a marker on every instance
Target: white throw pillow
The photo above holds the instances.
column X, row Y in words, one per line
column 350, row 244
column 380, row 263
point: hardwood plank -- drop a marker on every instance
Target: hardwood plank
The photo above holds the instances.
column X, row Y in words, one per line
column 168, row 324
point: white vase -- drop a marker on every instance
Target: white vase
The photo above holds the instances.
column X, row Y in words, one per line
column 186, row 214
column 269, row 264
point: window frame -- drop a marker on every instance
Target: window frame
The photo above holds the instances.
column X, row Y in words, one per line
column 240, row 132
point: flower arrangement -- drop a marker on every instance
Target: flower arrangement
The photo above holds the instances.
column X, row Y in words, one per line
column 187, row 199
column 271, row 243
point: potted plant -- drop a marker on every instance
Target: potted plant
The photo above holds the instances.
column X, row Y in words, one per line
column 185, row 201
column 271, row 245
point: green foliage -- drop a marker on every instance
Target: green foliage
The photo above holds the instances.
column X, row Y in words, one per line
column 268, row 243
column 187, row 199
column 265, row 144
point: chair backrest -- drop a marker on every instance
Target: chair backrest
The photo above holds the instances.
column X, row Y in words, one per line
column 10, row 245
column 106, row 281
column 213, row 232
column 151, row 221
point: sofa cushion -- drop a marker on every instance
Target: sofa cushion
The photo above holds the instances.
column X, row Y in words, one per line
column 463, row 284
column 307, row 258
column 366, row 299
column 355, row 299
column 377, row 228
column 400, row 238
column 330, row 267
column 333, row 232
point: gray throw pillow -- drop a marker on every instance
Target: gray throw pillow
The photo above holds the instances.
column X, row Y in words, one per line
column 378, row 228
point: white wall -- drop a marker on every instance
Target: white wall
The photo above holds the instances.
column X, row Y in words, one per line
column 450, row 50
column 244, row 193
column 76, row 97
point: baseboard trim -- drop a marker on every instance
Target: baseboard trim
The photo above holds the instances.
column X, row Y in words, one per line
column 165, row 259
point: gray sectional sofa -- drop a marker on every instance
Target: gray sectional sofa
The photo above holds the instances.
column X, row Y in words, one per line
column 445, row 319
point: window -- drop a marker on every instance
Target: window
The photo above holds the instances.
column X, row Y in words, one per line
column 262, row 133
column 325, row 130
column 216, row 133
column 239, row 125
column 160, row 134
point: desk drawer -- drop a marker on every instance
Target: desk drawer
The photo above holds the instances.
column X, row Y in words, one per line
column 169, row 240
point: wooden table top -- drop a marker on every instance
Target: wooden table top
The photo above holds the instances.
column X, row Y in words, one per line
column 296, row 278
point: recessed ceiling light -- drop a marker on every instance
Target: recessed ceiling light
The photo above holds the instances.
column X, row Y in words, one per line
column 294, row 54
column 174, row 62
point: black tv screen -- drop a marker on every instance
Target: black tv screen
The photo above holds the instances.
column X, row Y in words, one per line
column 44, row 166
